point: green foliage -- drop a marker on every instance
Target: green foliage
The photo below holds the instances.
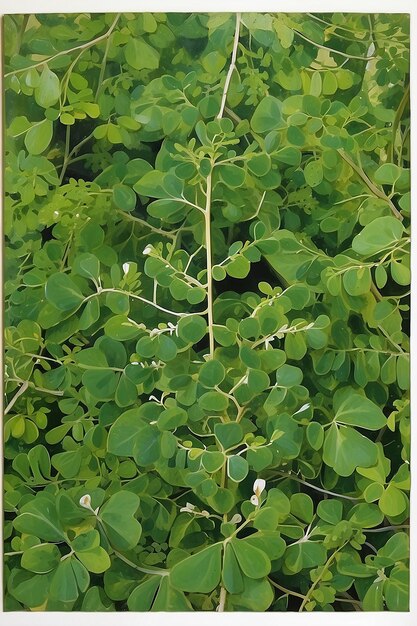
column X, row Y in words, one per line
column 207, row 221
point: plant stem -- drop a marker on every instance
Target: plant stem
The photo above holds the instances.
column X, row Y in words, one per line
column 222, row 600
column 83, row 46
column 232, row 67
column 135, row 297
column 343, row 54
column 285, row 590
column 207, row 218
column 385, row 528
column 157, row 572
column 318, row 579
column 18, row 393
column 375, row 190
column 304, row 482
column 396, row 124
column 66, row 154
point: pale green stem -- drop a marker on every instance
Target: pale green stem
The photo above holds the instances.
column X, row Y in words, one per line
column 319, row 578
column 207, row 219
column 89, row 44
column 155, row 572
column 135, row 297
column 18, row 393
column 232, row 67
column 375, row 190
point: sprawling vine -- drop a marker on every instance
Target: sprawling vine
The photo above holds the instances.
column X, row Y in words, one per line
column 207, row 222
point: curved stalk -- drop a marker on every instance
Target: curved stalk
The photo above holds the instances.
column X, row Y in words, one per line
column 83, row 46
column 232, row 67
column 207, row 219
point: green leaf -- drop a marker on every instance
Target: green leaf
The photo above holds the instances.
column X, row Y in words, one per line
column 330, row 511
column 289, row 376
column 87, row 265
column 266, row 519
column 124, row 197
column 38, row 137
column 214, row 401
column 140, row 55
column 126, row 391
column 237, row 468
column 345, row 449
column 64, row 583
column 257, row 595
column 238, row 267
column 229, row 434
column 357, row 281
column 192, row 328
column 117, row 515
column 387, row 174
column 231, row 575
column 41, row 559
column 125, row 432
column 121, row 328
column 48, row 90
column 373, row 599
column 393, row 501
column 212, row 461
column 88, row 550
column 397, row 547
column 253, row 562
column 147, row 446
column 213, row 62
column 101, row 383
column 259, row 164
column 39, row 517
column 257, row 381
column 232, row 175
column 400, row 272
column 62, row 292
column 302, row 506
column 396, row 589
column 199, row 573
column 354, row 409
column 28, row 589
column 170, row 599
column 365, row 515
column 303, row 555
column 142, row 597
column 172, row 418
column 313, row 173
column 378, row 235
column 212, row 373
column 267, row 115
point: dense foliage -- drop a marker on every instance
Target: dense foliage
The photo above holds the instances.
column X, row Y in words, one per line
column 207, row 281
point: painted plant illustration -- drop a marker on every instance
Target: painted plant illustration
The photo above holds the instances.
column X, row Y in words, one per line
column 207, row 280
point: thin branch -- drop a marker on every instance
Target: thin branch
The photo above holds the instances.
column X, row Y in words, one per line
column 385, row 528
column 146, row 224
column 304, row 482
column 89, row 44
column 207, row 217
column 375, row 190
column 18, row 393
column 319, row 577
column 343, row 54
column 397, row 121
column 155, row 572
column 232, row 67
column 136, row 297
column 222, row 600
column 285, row 590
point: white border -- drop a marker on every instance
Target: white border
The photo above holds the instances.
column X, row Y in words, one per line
column 246, row 619
column 194, row 6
